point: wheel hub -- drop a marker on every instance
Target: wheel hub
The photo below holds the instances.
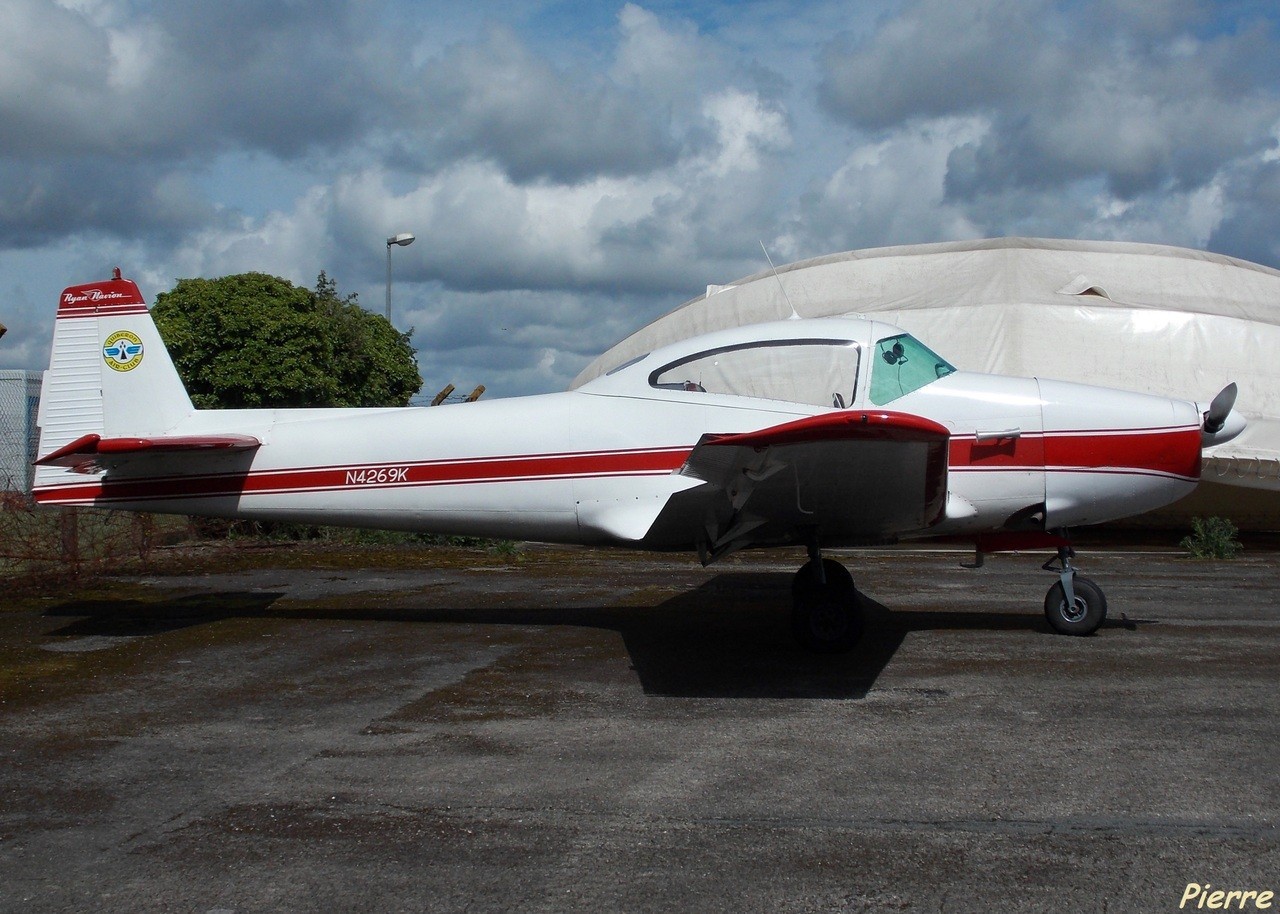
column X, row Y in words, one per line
column 828, row 620
column 1075, row 611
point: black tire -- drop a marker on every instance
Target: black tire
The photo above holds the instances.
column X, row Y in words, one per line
column 1084, row 618
column 806, row 582
column 828, row 622
column 826, row 618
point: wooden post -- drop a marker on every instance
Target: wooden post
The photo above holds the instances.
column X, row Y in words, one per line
column 70, row 529
column 448, row 389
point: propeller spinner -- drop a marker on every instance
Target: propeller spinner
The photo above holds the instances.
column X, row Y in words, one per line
column 1216, row 415
column 1220, row 423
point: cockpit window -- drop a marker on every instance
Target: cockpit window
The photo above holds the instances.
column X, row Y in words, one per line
column 902, row 364
column 814, row 372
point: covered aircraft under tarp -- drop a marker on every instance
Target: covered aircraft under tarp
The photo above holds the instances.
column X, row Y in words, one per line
column 1150, row 318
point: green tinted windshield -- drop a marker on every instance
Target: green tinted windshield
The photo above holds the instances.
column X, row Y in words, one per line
column 902, row 364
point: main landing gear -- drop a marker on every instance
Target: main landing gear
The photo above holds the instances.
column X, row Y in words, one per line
column 827, row 615
column 1074, row 605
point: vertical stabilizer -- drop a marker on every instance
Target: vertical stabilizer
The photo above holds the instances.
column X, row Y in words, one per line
column 109, row 372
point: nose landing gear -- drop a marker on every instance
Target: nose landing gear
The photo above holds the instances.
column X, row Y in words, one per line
column 1074, row 605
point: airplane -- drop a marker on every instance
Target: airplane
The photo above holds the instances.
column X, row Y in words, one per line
column 813, row 432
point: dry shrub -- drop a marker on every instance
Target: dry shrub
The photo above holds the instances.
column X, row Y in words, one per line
column 57, row 543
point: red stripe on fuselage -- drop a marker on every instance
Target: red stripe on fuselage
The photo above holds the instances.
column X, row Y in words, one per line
column 1027, row 450
column 1164, row 452
column 373, row 476
column 1158, row 451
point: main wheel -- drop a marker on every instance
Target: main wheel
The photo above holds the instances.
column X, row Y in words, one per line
column 826, row 618
column 806, row 581
column 1087, row 612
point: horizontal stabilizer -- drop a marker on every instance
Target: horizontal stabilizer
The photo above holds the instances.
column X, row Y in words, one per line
column 92, row 448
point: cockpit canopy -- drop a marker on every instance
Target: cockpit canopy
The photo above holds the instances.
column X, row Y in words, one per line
column 815, row 362
column 818, row 372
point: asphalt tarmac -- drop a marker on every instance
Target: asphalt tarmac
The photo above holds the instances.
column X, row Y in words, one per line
column 574, row 730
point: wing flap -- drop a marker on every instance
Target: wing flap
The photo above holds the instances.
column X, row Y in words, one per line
column 853, row 476
column 91, row 449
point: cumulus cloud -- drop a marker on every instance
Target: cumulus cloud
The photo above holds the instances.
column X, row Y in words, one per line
column 934, row 59
column 44, row 200
column 295, row 244
column 186, row 78
column 51, row 80
column 480, row 229
column 891, row 191
column 498, row 100
column 516, row 340
column 1250, row 223
column 652, row 52
column 567, row 186
column 111, row 112
column 1066, row 100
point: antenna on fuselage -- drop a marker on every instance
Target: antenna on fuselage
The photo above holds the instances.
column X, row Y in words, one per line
column 794, row 315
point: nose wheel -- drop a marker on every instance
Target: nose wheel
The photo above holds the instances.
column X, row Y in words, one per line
column 826, row 614
column 1074, row 605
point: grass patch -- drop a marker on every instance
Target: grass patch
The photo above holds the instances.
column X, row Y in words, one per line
column 43, row 547
column 1212, row 538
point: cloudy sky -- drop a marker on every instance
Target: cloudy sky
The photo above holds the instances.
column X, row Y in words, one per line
column 574, row 169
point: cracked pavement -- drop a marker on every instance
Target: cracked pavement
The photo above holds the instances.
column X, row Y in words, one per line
column 579, row 730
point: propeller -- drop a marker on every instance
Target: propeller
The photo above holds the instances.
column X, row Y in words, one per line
column 1221, row 421
column 1215, row 416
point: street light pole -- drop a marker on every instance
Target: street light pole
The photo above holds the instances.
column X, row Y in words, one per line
column 403, row 239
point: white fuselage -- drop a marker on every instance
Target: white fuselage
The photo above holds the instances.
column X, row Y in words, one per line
column 585, row 467
column 597, row 464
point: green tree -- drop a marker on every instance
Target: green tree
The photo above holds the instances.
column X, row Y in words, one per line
column 253, row 340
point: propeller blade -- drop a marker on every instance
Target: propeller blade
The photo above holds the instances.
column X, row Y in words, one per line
column 1216, row 416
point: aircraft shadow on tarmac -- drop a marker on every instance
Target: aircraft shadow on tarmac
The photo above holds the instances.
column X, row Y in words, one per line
column 728, row 638
column 731, row 638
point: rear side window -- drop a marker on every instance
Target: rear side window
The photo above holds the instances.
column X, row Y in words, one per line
column 813, row 372
column 902, row 364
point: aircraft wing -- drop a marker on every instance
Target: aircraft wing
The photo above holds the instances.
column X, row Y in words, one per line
column 850, row 476
column 91, row 451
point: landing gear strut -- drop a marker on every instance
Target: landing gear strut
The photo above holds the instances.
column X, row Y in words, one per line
column 827, row 614
column 1074, row 605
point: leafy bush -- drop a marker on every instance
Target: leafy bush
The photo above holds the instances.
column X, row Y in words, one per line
column 253, row 340
column 1212, row 538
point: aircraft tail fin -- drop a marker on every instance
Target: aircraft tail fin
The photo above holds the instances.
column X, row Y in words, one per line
column 109, row 373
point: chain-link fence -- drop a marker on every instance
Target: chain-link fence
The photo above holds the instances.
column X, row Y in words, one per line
column 44, row 543
column 19, row 401
column 60, row 543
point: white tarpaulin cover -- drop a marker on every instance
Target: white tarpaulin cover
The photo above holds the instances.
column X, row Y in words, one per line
column 1151, row 318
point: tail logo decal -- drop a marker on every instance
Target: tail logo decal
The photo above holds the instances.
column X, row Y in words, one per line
column 122, row 351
